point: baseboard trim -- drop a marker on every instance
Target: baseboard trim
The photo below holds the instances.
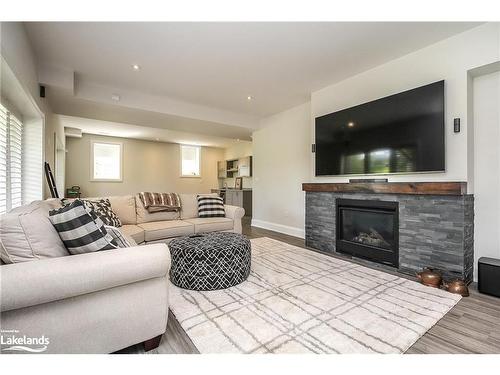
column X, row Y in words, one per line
column 285, row 229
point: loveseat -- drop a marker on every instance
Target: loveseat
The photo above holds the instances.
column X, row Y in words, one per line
column 97, row 302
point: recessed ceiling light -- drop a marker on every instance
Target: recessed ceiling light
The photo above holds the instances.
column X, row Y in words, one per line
column 136, row 67
column 237, row 139
column 249, row 97
column 351, row 124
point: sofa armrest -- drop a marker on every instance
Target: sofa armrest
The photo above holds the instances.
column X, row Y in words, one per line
column 46, row 280
column 235, row 213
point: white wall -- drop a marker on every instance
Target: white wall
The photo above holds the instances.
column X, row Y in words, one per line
column 281, row 163
column 238, row 150
column 486, row 105
column 17, row 52
column 147, row 166
column 284, row 139
column 450, row 60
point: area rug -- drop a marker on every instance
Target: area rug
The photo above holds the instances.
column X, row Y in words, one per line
column 299, row 301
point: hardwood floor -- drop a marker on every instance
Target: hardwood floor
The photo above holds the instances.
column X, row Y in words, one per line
column 472, row 326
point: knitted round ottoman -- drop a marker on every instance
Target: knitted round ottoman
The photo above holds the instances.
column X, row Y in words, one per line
column 210, row 261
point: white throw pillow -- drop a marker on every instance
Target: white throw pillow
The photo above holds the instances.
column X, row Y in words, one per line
column 26, row 233
column 119, row 238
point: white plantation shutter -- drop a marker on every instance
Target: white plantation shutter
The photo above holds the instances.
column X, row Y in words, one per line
column 11, row 161
column 33, row 160
column 3, row 159
column 15, row 161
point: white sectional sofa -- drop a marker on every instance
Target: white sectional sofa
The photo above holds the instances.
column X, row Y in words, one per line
column 96, row 302
column 144, row 227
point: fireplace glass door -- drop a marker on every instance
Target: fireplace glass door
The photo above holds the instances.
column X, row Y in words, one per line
column 368, row 229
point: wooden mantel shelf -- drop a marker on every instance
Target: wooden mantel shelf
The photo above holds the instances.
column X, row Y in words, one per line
column 416, row 188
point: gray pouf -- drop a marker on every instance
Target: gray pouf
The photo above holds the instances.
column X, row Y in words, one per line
column 210, row 261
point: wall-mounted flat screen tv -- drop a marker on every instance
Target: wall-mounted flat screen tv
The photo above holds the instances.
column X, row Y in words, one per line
column 401, row 133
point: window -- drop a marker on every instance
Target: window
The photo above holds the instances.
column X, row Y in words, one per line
column 190, row 161
column 353, row 164
column 106, row 161
column 379, row 161
column 11, row 161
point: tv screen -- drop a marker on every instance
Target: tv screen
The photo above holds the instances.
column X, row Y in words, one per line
column 402, row 133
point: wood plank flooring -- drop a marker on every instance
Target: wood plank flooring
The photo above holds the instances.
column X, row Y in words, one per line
column 472, row 326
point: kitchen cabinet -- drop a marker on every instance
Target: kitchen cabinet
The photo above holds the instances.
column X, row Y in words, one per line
column 234, row 197
column 221, row 169
column 245, row 167
column 241, row 167
column 231, row 168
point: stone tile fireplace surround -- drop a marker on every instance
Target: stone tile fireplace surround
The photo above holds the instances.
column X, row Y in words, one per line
column 436, row 222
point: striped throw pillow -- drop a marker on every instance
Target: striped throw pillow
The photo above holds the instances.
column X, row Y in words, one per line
column 81, row 229
column 210, row 206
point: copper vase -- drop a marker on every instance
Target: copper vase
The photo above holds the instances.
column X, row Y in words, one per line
column 457, row 287
column 430, row 277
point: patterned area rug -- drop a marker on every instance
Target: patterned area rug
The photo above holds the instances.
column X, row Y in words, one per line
column 299, row 301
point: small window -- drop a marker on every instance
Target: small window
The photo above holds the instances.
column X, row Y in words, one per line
column 106, row 161
column 190, row 161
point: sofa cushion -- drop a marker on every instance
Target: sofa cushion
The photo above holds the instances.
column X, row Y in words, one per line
column 189, row 206
column 211, row 224
column 80, row 228
column 159, row 230
column 143, row 216
column 133, row 231
column 26, row 233
column 124, row 208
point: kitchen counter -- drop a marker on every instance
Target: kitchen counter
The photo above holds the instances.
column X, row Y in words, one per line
column 236, row 197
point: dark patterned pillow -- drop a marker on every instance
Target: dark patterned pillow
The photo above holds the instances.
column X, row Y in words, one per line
column 102, row 208
column 81, row 229
column 210, row 206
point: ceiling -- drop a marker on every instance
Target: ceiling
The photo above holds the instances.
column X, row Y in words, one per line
column 69, row 105
column 205, row 72
column 14, row 97
column 147, row 133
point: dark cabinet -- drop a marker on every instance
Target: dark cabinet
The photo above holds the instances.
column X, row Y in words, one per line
column 240, row 198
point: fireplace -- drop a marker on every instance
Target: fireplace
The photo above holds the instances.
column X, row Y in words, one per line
column 368, row 229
